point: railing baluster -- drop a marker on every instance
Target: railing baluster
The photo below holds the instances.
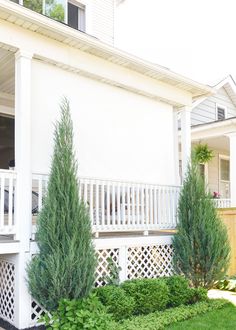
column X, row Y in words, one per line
column 113, row 206
column 108, row 203
column 137, row 205
column 118, row 204
column 142, row 206
column 123, row 220
column 2, row 201
column 102, row 204
column 10, row 207
column 128, row 206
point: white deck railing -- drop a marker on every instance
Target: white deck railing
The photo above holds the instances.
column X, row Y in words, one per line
column 7, row 189
column 222, row 202
column 123, row 206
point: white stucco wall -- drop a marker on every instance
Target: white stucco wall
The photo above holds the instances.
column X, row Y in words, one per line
column 118, row 134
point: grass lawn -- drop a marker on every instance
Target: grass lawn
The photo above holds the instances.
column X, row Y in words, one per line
column 220, row 319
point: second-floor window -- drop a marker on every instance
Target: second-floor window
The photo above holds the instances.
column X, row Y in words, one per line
column 220, row 112
column 71, row 12
column 76, row 15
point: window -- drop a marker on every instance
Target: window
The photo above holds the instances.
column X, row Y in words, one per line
column 76, row 16
column 224, row 169
column 220, row 112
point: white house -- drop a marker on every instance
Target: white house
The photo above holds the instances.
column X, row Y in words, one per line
column 124, row 111
column 213, row 121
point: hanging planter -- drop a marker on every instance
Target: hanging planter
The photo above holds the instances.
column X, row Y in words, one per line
column 202, row 153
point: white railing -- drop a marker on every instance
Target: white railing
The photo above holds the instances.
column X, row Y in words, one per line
column 7, row 190
column 123, row 206
column 222, row 202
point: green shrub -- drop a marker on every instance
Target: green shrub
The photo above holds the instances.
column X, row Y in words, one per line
column 227, row 283
column 117, row 302
column 87, row 313
column 149, row 294
column 179, row 291
column 201, row 245
column 197, row 295
column 159, row 320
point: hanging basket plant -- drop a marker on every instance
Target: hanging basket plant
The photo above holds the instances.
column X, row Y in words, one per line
column 202, row 153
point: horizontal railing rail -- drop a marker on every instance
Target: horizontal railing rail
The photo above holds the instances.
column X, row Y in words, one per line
column 222, row 202
column 7, row 202
column 122, row 206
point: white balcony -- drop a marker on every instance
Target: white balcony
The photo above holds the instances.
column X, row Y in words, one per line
column 222, row 202
column 123, row 206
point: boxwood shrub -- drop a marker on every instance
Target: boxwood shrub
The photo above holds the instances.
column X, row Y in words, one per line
column 117, row 302
column 179, row 291
column 149, row 294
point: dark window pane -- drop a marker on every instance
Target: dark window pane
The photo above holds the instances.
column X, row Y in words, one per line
column 73, row 18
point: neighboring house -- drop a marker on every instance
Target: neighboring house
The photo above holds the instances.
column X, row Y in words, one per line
column 124, row 111
column 213, row 122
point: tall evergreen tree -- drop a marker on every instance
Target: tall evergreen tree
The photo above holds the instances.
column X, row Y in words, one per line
column 201, row 243
column 65, row 265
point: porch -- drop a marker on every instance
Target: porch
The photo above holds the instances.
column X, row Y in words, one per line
column 114, row 206
column 219, row 173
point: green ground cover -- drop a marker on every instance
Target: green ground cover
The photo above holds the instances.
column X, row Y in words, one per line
column 220, row 319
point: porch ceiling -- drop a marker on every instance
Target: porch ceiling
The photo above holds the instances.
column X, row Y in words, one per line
column 220, row 143
column 7, row 77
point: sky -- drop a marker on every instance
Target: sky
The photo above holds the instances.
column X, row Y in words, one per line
column 196, row 38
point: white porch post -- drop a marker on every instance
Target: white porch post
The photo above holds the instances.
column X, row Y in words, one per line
column 185, row 138
column 232, row 141
column 23, row 215
column 176, row 147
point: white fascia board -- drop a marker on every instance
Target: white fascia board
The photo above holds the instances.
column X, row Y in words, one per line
column 61, row 32
column 214, row 129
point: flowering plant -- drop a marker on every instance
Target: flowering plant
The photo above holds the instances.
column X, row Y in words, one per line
column 216, row 194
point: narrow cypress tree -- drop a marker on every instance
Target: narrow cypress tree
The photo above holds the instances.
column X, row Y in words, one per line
column 201, row 243
column 65, row 265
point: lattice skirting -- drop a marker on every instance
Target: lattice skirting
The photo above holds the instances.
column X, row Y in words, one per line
column 7, row 290
column 149, row 261
column 143, row 261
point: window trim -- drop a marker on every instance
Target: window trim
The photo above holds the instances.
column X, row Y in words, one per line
column 222, row 107
column 87, row 5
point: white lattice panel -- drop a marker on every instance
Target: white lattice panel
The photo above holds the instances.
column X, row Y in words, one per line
column 102, row 268
column 149, row 261
column 7, row 290
column 37, row 312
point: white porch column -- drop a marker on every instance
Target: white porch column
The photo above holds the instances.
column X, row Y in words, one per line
column 23, row 214
column 232, row 141
column 176, row 147
column 185, row 138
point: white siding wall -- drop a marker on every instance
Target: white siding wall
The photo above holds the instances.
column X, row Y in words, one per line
column 206, row 111
column 103, row 20
column 118, row 134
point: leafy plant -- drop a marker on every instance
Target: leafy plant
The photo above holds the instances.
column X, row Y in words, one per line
column 202, row 154
column 65, row 265
column 160, row 320
column 113, row 278
column 227, row 283
column 87, row 313
column 179, row 290
column 149, row 294
column 202, row 250
column 117, row 302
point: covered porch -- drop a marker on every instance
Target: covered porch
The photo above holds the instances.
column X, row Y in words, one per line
column 220, row 172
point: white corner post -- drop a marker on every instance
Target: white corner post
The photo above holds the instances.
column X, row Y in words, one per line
column 185, row 138
column 176, row 146
column 23, row 193
column 232, row 142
